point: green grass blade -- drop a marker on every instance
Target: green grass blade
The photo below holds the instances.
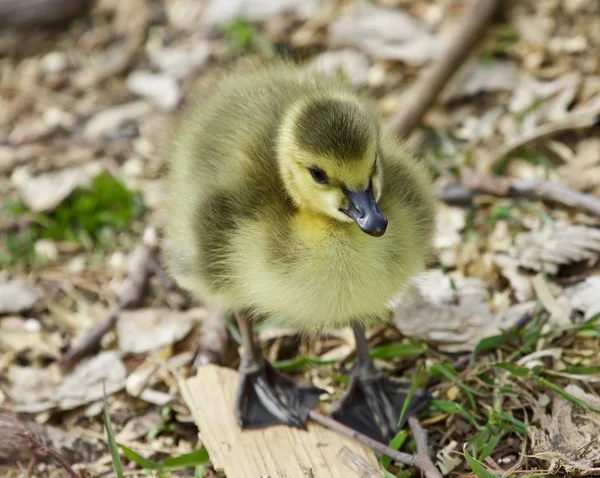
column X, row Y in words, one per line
column 443, row 370
column 395, row 444
column 112, row 444
column 414, row 384
column 195, row 458
column 300, row 363
column 489, row 447
column 139, row 460
column 189, row 460
column 454, row 408
column 567, row 395
column 395, row 350
column 477, row 467
column 516, row 370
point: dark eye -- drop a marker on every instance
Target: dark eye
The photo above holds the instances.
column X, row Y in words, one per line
column 318, row 175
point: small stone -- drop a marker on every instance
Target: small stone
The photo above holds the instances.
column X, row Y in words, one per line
column 54, row 62
column 354, row 64
column 133, row 167
column 16, row 297
column 118, row 262
column 77, row 264
column 180, row 62
column 108, row 121
column 46, row 249
column 33, row 326
column 58, row 117
column 162, row 89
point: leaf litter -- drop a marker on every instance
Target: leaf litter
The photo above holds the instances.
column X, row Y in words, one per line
column 513, row 281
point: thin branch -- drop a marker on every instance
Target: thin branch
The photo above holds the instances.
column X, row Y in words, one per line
column 401, row 457
column 90, row 343
column 431, row 81
column 141, row 266
column 48, row 451
column 474, row 183
column 423, row 460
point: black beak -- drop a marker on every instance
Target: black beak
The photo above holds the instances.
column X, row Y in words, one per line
column 366, row 213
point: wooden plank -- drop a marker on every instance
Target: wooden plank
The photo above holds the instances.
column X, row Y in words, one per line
column 275, row 452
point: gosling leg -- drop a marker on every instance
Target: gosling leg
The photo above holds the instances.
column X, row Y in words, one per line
column 372, row 404
column 265, row 397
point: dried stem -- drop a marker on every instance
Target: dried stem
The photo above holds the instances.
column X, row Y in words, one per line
column 90, row 343
column 474, row 183
column 421, row 460
column 141, row 267
column 431, row 81
column 48, row 451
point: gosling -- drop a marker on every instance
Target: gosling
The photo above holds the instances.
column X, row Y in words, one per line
column 288, row 202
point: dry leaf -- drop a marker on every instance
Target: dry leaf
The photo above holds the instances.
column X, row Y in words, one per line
column 45, row 192
column 567, row 439
column 144, row 330
column 583, row 171
column 179, row 61
column 17, row 335
column 162, row 89
column 555, row 245
column 108, row 121
column 449, row 310
column 85, row 383
column 520, row 282
column 447, row 459
column 16, row 297
column 450, row 221
column 479, row 77
column 585, row 297
column 219, row 12
column 137, row 427
column 383, row 33
column 32, row 390
column 354, row 64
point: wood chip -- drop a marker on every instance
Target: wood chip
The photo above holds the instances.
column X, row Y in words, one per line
column 275, row 451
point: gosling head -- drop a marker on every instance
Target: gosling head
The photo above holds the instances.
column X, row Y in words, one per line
column 327, row 153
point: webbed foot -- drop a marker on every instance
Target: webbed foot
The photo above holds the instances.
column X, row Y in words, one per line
column 265, row 397
column 372, row 405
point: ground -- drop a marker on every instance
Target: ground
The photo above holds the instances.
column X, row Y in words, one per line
column 502, row 328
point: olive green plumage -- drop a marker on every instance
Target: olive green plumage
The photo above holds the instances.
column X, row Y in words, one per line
column 251, row 230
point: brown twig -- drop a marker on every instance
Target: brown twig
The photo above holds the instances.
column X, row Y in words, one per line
column 48, row 451
column 15, row 448
column 474, row 183
column 431, row 81
column 423, row 460
column 140, row 269
column 90, row 343
column 424, row 464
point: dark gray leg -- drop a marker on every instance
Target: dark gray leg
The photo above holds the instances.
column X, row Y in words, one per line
column 372, row 404
column 265, row 397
